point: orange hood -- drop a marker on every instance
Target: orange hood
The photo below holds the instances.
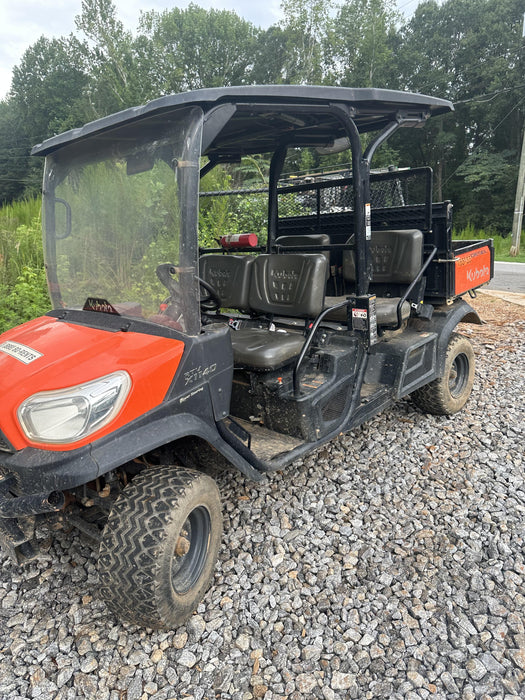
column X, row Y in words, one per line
column 47, row 354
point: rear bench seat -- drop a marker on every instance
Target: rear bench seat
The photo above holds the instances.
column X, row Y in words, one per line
column 290, row 285
column 397, row 257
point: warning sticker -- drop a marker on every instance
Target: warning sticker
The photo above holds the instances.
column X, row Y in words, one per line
column 360, row 319
column 20, row 352
column 368, row 222
column 360, row 313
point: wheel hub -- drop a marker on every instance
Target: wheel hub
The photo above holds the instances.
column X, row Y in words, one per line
column 191, row 548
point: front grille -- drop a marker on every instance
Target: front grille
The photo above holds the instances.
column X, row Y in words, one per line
column 4, row 444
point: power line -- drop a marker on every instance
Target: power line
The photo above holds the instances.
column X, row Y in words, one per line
column 406, row 4
column 484, row 140
column 490, row 95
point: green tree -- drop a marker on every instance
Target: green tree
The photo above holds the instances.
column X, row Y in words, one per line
column 359, row 43
column 113, row 58
column 270, row 61
column 46, row 85
column 14, row 154
column 44, row 99
column 194, row 48
column 306, row 23
column 470, row 51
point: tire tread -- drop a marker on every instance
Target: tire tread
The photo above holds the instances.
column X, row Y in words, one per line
column 129, row 560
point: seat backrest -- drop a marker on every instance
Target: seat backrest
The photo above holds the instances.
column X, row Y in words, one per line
column 306, row 240
column 291, row 284
column 397, row 257
column 229, row 275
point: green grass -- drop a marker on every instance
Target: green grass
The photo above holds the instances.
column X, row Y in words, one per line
column 20, row 213
column 501, row 245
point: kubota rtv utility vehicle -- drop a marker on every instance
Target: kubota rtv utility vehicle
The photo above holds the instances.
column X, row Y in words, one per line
column 164, row 351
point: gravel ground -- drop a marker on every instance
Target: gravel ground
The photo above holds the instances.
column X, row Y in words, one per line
column 390, row 564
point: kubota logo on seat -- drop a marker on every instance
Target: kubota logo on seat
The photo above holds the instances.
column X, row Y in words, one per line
column 288, row 275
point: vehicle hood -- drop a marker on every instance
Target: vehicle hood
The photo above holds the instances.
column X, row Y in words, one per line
column 48, row 354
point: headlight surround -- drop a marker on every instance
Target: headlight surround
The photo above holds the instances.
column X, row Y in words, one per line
column 68, row 415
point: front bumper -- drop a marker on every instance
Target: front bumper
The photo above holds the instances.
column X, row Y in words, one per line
column 16, row 523
column 43, row 471
column 31, row 484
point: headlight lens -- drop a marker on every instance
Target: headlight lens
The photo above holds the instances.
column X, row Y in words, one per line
column 68, row 415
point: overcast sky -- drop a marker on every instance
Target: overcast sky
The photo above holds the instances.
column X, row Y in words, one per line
column 22, row 22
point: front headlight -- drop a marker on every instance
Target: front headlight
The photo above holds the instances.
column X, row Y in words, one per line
column 67, row 415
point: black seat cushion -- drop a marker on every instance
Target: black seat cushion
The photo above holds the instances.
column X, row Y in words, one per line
column 305, row 240
column 289, row 284
column 262, row 349
column 386, row 310
column 396, row 257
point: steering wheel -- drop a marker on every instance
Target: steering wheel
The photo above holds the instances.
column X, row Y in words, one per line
column 210, row 300
column 165, row 273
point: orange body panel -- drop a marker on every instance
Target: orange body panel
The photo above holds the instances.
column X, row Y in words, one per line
column 472, row 269
column 73, row 354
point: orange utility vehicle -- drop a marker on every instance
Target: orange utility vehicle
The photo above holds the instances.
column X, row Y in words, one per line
column 162, row 355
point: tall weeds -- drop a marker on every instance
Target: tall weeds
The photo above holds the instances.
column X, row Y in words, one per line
column 20, row 239
column 501, row 245
column 23, row 290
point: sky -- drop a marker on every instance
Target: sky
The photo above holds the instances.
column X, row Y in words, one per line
column 22, row 22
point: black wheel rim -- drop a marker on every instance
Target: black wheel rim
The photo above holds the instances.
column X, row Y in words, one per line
column 458, row 377
column 191, row 550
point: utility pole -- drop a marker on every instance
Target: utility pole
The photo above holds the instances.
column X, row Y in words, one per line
column 520, row 193
column 518, row 206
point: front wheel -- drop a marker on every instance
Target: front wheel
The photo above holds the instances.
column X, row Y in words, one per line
column 449, row 393
column 160, row 545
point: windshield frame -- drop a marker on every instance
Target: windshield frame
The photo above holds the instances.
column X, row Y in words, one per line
column 180, row 135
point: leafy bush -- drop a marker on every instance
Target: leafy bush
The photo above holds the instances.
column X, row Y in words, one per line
column 231, row 213
column 27, row 299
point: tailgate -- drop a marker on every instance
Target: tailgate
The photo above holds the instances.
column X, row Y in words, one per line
column 473, row 264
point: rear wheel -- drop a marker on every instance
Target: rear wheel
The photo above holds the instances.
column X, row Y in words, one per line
column 160, row 545
column 449, row 393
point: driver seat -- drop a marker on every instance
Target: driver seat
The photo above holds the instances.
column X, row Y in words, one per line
column 229, row 275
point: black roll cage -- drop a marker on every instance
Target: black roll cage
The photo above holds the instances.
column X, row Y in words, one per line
column 217, row 119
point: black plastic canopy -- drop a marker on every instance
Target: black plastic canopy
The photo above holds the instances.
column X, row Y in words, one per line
column 257, row 119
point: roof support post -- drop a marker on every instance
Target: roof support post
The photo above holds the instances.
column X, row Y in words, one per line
column 380, row 138
column 361, row 181
column 276, row 168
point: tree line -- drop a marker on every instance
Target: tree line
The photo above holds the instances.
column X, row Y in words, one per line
column 469, row 51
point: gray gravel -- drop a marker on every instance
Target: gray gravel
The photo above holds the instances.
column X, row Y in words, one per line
column 390, row 564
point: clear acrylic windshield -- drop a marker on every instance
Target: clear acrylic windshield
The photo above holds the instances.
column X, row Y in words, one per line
column 120, row 213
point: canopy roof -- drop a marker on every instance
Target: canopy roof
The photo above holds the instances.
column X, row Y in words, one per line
column 258, row 119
